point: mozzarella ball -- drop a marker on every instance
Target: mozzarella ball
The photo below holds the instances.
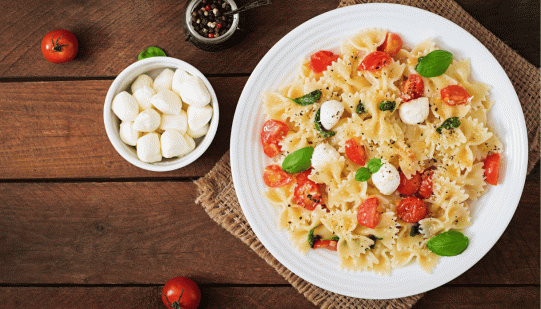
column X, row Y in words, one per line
column 143, row 96
column 140, row 82
column 194, row 92
column 173, row 144
column 414, row 111
column 386, row 179
column 148, row 148
column 178, row 122
column 199, row 132
column 198, row 116
column 167, row 102
column 128, row 134
column 178, row 78
column 164, row 80
column 147, row 121
column 191, row 142
column 330, row 113
column 125, row 106
column 323, row 154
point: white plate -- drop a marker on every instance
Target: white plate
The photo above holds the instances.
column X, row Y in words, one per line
column 491, row 213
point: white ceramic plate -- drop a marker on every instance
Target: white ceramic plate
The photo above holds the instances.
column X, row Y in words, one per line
column 491, row 213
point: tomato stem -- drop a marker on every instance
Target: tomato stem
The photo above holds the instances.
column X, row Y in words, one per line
column 175, row 304
column 57, row 47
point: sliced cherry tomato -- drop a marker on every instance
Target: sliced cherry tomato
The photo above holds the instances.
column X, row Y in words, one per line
column 181, row 292
column 307, row 195
column 326, row 243
column 271, row 149
column 491, row 166
column 455, row 95
column 426, row 184
column 272, row 132
column 413, row 88
column 375, row 61
column 321, row 60
column 355, row 151
column 368, row 214
column 411, row 209
column 303, row 176
column 59, row 46
column 392, row 44
column 409, row 186
column 274, row 176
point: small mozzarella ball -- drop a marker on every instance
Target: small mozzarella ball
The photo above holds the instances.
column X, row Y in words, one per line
column 330, row 113
column 167, row 102
column 323, row 154
column 125, row 106
column 178, row 78
column 148, row 148
column 199, row 132
column 191, row 142
column 386, row 179
column 128, row 134
column 143, row 96
column 140, row 82
column 147, row 121
column 194, row 92
column 173, row 144
column 177, row 122
column 164, row 80
column 414, row 111
column 198, row 116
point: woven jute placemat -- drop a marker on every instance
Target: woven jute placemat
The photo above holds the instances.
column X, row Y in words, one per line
column 216, row 192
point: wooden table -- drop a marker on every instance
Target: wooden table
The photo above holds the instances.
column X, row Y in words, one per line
column 82, row 228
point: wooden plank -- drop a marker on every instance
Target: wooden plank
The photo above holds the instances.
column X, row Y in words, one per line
column 145, row 232
column 56, row 130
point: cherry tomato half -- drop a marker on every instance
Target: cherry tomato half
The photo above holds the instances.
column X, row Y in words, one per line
column 426, row 184
column 409, row 186
column 303, row 176
column 455, row 95
column 330, row 244
column 375, row 61
column 182, row 291
column 491, row 166
column 411, row 209
column 321, row 60
column 274, row 176
column 355, row 151
column 413, row 88
column 368, row 214
column 272, row 132
column 59, row 46
column 307, row 195
column 392, row 44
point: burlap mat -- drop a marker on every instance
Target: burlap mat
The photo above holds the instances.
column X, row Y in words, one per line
column 217, row 194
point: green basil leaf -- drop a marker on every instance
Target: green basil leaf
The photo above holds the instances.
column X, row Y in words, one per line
column 374, row 238
column 311, row 238
column 317, row 121
column 449, row 124
column 374, row 165
column 434, row 64
column 151, row 52
column 362, row 174
column 387, row 106
column 414, row 231
column 333, row 238
column 308, row 99
column 450, row 243
column 298, row 161
column 360, row 108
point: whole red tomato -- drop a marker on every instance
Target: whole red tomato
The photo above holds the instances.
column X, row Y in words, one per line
column 181, row 292
column 59, row 46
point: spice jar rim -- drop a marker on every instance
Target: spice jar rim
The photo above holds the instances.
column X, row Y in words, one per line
column 190, row 8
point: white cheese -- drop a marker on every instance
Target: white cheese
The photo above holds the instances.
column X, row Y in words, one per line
column 143, row 96
column 198, row 116
column 167, row 102
column 125, row 106
column 386, row 179
column 164, row 80
column 179, row 77
column 194, row 92
column 199, row 132
column 148, row 148
column 414, row 111
column 127, row 134
column 173, row 143
column 147, row 121
column 178, row 122
column 191, row 142
column 140, row 82
column 330, row 113
column 323, row 154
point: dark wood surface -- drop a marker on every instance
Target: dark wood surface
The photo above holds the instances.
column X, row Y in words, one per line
column 82, row 228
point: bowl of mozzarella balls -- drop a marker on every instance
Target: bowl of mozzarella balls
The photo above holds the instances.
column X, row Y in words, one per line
column 161, row 114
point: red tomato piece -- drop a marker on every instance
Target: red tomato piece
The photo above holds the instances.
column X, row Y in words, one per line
column 274, row 176
column 59, row 46
column 355, row 151
column 375, row 61
column 368, row 214
column 426, row 184
column 409, row 186
column 272, row 132
column 392, row 44
column 413, row 88
column 326, row 243
column 271, row 149
column 181, row 292
column 455, row 95
column 411, row 209
column 307, row 195
column 491, row 166
column 321, row 60
column 303, row 176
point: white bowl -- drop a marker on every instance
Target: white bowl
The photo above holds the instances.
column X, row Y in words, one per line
column 152, row 67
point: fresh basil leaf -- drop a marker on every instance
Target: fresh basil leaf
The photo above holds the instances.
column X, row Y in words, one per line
column 374, row 165
column 374, row 238
column 449, row 243
column 333, row 238
column 414, row 231
column 434, row 64
column 387, row 106
column 449, row 124
column 362, row 174
column 308, row 99
column 151, row 52
column 317, row 121
column 360, row 108
column 298, row 161
column 311, row 238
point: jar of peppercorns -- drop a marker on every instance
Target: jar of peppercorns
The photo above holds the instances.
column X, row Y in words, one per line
column 208, row 27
